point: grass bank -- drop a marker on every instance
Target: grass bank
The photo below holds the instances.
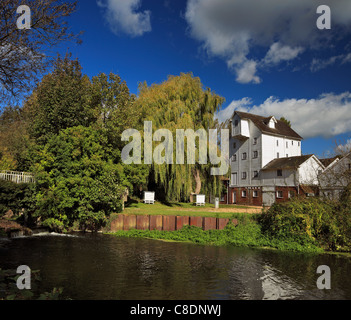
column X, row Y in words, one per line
column 247, row 234
column 189, row 209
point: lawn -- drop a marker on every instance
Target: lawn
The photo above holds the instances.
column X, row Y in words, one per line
column 189, row 209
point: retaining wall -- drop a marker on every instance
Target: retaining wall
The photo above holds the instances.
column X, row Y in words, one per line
column 167, row 223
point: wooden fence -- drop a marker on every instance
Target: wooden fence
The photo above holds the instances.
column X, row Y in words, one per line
column 17, row 177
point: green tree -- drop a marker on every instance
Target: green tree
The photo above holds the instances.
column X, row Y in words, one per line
column 115, row 112
column 61, row 100
column 77, row 181
column 181, row 102
column 26, row 54
column 286, row 121
column 14, row 140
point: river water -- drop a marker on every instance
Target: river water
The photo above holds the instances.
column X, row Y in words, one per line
column 104, row 267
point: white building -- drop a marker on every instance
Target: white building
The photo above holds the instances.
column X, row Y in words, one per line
column 266, row 161
column 335, row 178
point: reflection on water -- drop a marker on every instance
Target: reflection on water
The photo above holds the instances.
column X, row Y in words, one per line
column 106, row 267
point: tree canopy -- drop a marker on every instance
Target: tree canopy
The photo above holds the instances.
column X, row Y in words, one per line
column 181, row 102
column 26, row 53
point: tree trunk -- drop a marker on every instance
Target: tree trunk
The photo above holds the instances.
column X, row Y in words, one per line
column 196, row 174
column 197, row 181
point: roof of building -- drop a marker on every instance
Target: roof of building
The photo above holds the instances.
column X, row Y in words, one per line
column 327, row 161
column 286, row 163
column 309, row 189
column 281, row 128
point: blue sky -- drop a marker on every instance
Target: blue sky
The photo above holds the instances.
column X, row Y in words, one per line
column 266, row 57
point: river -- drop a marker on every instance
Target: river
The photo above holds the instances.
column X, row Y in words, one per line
column 104, row 267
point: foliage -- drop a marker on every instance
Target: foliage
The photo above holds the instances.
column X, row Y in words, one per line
column 22, row 55
column 243, row 235
column 61, row 100
column 288, row 122
column 14, row 140
column 115, row 111
column 321, row 221
column 14, row 196
column 180, row 103
column 77, row 180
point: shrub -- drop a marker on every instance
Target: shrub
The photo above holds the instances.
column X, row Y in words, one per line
column 310, row 219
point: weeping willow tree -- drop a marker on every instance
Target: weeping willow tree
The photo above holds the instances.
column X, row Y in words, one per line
column 181, row 102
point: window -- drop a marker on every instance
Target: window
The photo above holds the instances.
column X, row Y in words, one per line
column 279, row 173
column 298, row 143
column 287, row 144
column 236, row 122
column 255, row 141
column 277, row 143
column 279, row 194
column 243, row 175
column 287, row 155
column 255, row 194
column 292, row 142
column 234, row 179
column 243, row 194
column 255, row 154
column 277, row 155
column 244, row 156
column 233, row 157
column 291, row 194
column 255, row 174
column 234, row 145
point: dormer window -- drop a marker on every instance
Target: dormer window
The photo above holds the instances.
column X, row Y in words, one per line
column 271, row 123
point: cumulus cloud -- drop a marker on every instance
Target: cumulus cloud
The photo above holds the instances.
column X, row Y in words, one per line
column 329, row 115
column 284, row 29
column 122, row 17
column 278, row 53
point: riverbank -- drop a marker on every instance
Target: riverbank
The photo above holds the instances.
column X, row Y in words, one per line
column 8, row 227
column 248, row 234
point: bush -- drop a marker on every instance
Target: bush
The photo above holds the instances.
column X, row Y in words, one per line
column 14, row 197
column 309, row 219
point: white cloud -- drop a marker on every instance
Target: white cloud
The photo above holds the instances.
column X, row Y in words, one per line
column 344, row 148
column 122, row 16
column 284, row 29
column 318, row 64
column 328, row 115
column 247, row 72
column 278, row 53
column 226, row 113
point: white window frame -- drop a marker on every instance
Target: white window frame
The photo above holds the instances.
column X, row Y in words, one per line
column 277, row 194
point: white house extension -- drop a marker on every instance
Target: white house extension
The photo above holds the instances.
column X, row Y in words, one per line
column 266, row 162
column 336, row 177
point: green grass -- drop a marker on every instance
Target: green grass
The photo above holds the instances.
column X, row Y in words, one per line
column 247, row 234
column 185, row 209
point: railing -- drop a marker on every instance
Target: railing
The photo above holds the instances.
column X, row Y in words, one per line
column 17, row 177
